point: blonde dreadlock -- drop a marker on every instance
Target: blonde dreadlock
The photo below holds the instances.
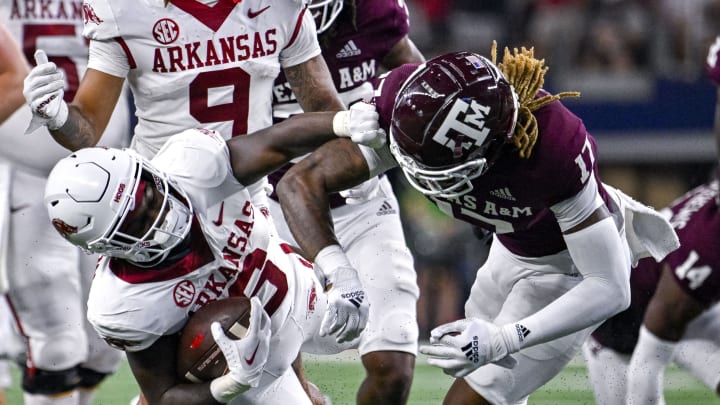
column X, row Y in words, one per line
column 527, row 75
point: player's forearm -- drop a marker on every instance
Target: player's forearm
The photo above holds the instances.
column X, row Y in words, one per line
column 313, row 86
column 78, row 132
column 306, row 209
column 12, row 99
column 302, row 133
column 13, row 70
column 604, row 291
column 303, row 192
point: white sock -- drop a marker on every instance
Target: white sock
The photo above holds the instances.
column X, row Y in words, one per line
column 69, row 398
column 86, row 396
column 647, row 366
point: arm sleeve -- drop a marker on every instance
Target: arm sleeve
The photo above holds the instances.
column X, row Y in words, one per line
column 602, row 259
column 646, row 369
column 574, row 210
column 107, row 56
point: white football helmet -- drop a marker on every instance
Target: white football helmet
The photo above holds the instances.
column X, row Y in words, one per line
column 325, row 12
column 90, row 193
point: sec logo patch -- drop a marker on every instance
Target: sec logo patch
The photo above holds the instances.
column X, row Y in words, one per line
column 184, row 293
column 166, row 31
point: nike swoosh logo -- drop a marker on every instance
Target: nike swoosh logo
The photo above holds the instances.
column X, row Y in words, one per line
column 18, row 208
column 253, row 14
column 219, row 221
column 251, row 360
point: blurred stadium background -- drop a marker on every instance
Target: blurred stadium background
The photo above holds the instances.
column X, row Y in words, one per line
column 639, row 65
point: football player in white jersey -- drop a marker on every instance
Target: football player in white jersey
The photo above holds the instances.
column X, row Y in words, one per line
column 13, row 69
column 179, row 231
column 189, row 63
column 65, row 357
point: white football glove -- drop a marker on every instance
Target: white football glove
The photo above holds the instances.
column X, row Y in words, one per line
column 348, row 309
column 43, row 89
column 460, row 347
column 360, row 124
column 245, row 357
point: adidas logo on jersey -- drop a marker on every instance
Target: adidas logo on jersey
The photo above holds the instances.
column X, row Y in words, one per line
column 386, row 209
column 350, row 49
column 503, row 193
column 522, row 332
column 471, row 350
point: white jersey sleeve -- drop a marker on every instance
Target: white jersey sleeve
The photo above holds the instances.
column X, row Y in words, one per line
column 100, row 23
column 576, row 209
column 108, row 57
column 304, row 45
column 118, row 310
column 205, row 148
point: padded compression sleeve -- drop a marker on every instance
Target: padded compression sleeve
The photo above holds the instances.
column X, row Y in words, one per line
column 600, row 256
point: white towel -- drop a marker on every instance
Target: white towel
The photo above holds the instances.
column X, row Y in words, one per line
column 648, row 232
column 5, row 172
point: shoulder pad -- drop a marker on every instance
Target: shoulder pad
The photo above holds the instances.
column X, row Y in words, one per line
column 197, row 156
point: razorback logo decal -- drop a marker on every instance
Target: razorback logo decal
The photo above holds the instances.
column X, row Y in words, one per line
column 89, row 15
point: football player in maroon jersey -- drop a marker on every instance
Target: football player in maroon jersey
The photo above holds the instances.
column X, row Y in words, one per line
column 485, row 143
column 359, row 40
column 674, row 315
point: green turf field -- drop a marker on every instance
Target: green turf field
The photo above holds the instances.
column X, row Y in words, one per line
column 339, row 377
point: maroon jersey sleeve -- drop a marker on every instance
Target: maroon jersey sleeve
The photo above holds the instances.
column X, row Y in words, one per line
column 386, row 19
column 696, row 263
column 564, row 155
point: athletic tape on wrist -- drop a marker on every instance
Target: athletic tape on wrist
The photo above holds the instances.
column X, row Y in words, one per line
column 339, row 124
column 59, row 120
column 330, row 258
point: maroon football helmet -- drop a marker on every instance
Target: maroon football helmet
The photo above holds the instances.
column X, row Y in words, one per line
column 449, row 120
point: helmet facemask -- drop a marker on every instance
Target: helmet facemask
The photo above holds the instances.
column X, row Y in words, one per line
column 169, row 227
column 325, row 12
column 449, row 182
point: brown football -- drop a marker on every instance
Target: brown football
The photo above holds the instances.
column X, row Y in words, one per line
column 198, row 357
